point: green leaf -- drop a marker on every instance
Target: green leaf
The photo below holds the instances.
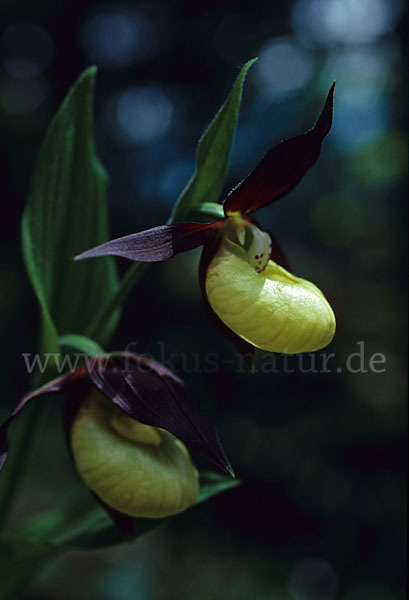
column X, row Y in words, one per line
column 111, row 536
column 56, row 525
column 212, row 155
column 81, row 523
column 81, row 343
column 65, row 214
column 20, row 560
column 212, row 484
column 99, row 532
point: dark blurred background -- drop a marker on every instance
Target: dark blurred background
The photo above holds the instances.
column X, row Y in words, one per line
column 322, row 456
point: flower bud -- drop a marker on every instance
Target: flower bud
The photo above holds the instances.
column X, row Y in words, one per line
column 262, row 302
column 139, row 470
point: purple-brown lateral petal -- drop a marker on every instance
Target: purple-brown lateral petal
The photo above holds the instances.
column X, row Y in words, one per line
column 148, row 392
column 124, row 523
column 282, row 168
column 153, row 245
column 55, row 386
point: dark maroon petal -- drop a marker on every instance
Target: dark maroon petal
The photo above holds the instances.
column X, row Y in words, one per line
column 125, row 530
column 75, row 394
column 153, row 245
column 124, row 523
column 148, row 392
column 245, row 349
column 282, row 168
column 55, row 386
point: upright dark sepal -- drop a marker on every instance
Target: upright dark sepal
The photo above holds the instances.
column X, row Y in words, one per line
column 148, row 392
column 282, row 168
column 153, row 245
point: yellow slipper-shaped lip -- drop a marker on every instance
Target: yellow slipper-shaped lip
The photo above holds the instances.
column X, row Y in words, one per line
column 272, row 310
column 138, row 470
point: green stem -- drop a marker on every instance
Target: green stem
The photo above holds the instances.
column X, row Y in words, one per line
column 208, row 209
column 126, row 285
column 15, row 469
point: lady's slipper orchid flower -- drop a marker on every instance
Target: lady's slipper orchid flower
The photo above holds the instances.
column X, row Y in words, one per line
column 242, row 274
column 127, row 418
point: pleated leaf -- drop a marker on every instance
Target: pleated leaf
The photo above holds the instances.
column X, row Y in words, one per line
column 67, row 212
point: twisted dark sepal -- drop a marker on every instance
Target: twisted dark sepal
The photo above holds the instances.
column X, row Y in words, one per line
column 61, row 384
column 153, row 245
column 150, row 393
column 282, row 168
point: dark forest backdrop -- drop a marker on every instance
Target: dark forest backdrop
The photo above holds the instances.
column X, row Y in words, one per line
column 321, row 455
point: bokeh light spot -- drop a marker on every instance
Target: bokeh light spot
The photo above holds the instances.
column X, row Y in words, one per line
column 283, row 68
column 118, row 38
column 142, row 114
column 26, row 50
column 345, row 21
column 359, row 122
column 361, row 70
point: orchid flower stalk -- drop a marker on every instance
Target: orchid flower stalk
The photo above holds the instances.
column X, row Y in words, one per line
column 130, row 423
column 246, row 287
